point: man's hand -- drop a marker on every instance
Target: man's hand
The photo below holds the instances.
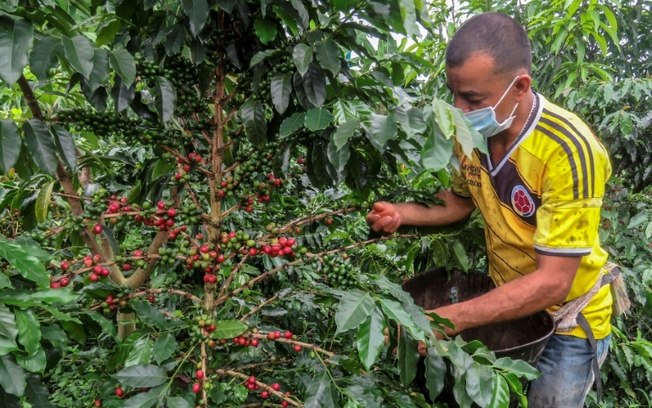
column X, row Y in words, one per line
column 384, row 217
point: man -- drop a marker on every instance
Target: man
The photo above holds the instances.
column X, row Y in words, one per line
column 539, row 190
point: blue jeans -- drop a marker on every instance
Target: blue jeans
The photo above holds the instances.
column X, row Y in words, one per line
column 566, row 375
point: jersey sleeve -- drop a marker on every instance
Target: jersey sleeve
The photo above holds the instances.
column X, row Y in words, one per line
column 568, row 218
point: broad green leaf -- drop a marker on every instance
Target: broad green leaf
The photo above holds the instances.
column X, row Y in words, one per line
column 395, row 311
column 468, row 137
column 319, row 393
column 122, row 95
column 29, row 330
column 411, row 121
column 260, row 56
column 314, row 84
column 289, row 19
column 5, row 282
column 291, row 124
column 8, row 330
column 166, row 98
column 459, row 392
column 12, row 376
column 65, row 146
column 140, row 352
column 500, row 392
column 228, row 329
column 177, row 402
column 344, row 132
column 408, row 357
column 40, row 145
column 318, row 119
column 328, row 55
column 108, row 326
column 393, row 289
column 164, row 347
column 79, row 54
column 161, row 168
column 42, row 204
column 62, row 316
column 518, row 367
column 281, row 89
column 107, row 30
column 141, row 376
column 444, row 117
column 252, row 115
column 10, row 143
column 146, row 399
column 437, row 151
column 408, row 13
column 304, row 17
column 435, row 373
column 479, row 382
column 637, row 220
column 26, row 298
column 338, row 158
column 16, row 38
column 37, row 394
column 381, row 129
column 265, row 30
column 198, row 12
column 100, row 73
column 124, row 65
column 24, row 262
column 34, row 362
column 302, row 57
column 44, row 56
column 461, row 255
column 370, row 339
column 354, row 308
column 345, row 111
column 149, row 314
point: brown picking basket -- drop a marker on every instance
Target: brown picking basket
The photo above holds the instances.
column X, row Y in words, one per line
column 522, row 339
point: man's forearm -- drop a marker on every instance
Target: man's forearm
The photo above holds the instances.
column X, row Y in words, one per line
column 455, row 209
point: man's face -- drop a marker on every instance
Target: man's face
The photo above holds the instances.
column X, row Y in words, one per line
column 475, row 85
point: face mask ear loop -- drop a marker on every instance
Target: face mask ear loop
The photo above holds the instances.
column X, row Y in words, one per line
column 505, row 94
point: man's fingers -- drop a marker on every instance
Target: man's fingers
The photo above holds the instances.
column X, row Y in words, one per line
column 385, row 223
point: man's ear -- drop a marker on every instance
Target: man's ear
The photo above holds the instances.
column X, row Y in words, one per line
column 522, row 85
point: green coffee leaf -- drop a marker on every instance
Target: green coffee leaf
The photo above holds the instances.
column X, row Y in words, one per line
column 29, row 330
column 302, row 57
column 228, row 329
column 281, row 89
column 141, row 376
column 79, row 54
column 124, row 65
column 318, row 119
column 12, row 376
column 10, row 143
column 319, row 393
column 40, row 145
column 354, row 308
column 370, row 339
column 16, row 38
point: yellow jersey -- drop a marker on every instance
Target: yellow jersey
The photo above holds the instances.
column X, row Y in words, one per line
column 544, row 197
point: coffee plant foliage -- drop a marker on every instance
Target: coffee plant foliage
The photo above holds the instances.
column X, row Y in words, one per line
column 183, row 194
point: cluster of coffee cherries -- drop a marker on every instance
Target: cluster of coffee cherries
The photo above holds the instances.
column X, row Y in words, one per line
column 186, row 165
column 251, row 383
column 204, row 330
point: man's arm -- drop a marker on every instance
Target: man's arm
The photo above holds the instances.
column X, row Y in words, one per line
column 549, row 284
column 387, row 217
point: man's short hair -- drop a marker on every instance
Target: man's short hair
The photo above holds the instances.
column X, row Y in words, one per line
column 500, row 36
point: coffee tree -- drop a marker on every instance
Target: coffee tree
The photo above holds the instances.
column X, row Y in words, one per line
column 183, row 194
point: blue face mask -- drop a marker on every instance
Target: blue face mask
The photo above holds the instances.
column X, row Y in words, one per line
column 484, row 120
